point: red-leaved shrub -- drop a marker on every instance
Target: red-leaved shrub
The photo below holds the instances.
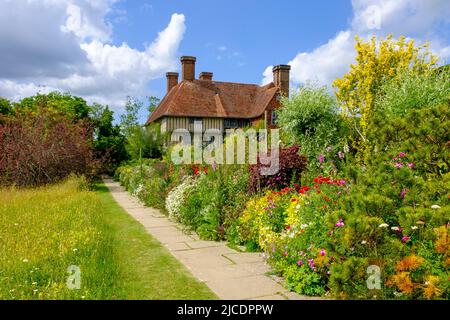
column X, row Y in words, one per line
column 39, row 148
column 291, row 165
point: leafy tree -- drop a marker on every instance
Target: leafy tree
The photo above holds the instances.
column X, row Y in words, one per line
column 311, row 120
column 66, row 104
column 5, row 106
column 109, row 143
column 376, row 61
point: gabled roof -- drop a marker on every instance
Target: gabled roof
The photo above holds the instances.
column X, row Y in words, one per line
column 215, row 99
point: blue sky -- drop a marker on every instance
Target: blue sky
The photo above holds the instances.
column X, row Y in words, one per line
column 106, row 50
column 236, row 42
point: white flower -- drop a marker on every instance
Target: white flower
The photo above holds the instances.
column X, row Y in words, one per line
column 25, row 260
column 435, row 206
column 297, row 207
column 34, row 283
column 395, row 228
column 364, row 242
column 414, row 227
column 303, row 226
column 175, row 198
column 75, row 250
column 383, row 225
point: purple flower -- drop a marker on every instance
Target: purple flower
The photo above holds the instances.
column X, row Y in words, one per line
column 399, row 165
column 322, row 252
column 342, row 182
column 341, row 155
column 321, row 158
column 405, row 238
column 402, row 154
column 411, row 165
column 403, row 193
column 299, row 263
column 311, row 263
column 285, row 254
column 340, row 223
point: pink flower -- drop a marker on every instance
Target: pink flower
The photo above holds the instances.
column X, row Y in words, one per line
column 285, row 254
column 341, row 155
column 342, row 182
column 405, row 238
column 299, row 263
column 322, row 252
column 321, row 158
column 403, row 193
column 340, row 223
column 311, row 263
column 402, row 154
column 399, row 165
column 411, row 165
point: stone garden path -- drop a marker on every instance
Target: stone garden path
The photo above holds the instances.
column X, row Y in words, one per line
column 230, row 274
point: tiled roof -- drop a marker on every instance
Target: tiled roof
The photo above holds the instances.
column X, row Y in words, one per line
column 204, row 98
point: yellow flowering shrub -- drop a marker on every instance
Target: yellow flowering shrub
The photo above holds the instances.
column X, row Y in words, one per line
column 376, row 61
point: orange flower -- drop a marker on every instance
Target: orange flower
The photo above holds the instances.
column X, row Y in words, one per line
column 442, row 243
column 431, row 290
column 409, row 263
column 402, row 281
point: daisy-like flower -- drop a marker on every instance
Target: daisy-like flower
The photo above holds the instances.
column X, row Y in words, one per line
column 383, row 225
column 414, row 227
column 364, row 242
column 395, row 228
column 435, row 206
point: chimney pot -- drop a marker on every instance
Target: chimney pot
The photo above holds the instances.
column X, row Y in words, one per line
column 281, row 78
column 172, row 80
column 188, row 67
column 206, row 76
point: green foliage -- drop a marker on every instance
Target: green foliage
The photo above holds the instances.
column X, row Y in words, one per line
column 65, row 104
column 5, row 106
column 109, row 143
column 310, row 119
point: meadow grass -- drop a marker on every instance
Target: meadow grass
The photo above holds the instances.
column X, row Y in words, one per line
column 44, row 231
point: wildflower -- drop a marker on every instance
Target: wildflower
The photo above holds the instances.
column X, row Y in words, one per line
column 402, row 154
column 403, row 193
column 322, row 252
column 329, row 149
column 395, row 228
column 405, row 238
column 299, row 263
column 311, row 263
column 409, row 263
column 364, row 242
column 383, row 225
column 399, row 165
column 411, row 165
column 75, row 250
column 34, row 283
column 214, row 166
column 321, row 158
column 414, row 227
column 285, row 254
column 340, row 223
column 341, row 155
column 25, row 260
column 435, row 206
column 342, row 182
column 328, row 272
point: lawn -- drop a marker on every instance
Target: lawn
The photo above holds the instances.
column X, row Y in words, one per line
column 44, row 232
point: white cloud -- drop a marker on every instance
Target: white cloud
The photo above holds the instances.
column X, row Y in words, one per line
column 417, row 19
column 71, row 51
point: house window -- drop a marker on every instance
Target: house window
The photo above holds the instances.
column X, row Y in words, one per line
column 230, row 123
column 195, row 120
column 273, row 119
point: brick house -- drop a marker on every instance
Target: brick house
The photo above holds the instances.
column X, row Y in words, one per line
column 218, row 105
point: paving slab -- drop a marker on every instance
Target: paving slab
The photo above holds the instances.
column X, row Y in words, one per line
column 230, row 274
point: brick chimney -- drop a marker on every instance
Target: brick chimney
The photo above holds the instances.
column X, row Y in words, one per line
column 188, row 68
column 206, row 76
column 281, row 78
column 172, row 80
